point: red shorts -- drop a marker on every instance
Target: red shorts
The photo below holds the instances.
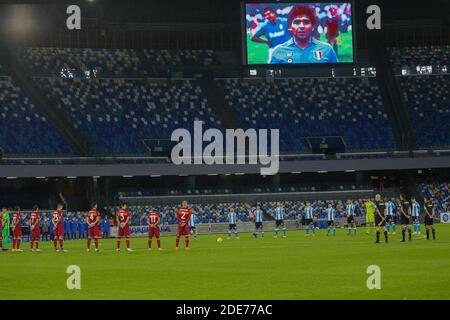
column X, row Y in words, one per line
column 153, row 232
column 94, row 232
column 59, row 231
column 183, row 230
column 124, row 232
column 35, row 233
column 17, row 233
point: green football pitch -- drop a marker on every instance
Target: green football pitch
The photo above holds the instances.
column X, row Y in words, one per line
column 297, row 267
column 258, row 53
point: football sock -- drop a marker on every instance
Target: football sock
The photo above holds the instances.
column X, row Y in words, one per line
column 276, row 232
column 128, row 243
column 37, row 244
column 403, row 234
column 433, row 231
column 96, row 243
column 385, row 236
column 118, row 244
column 378, row 236
column 394, row 227
column 354, row 231
column 328, row 231
column 262, row 234
column 229, row 234
column 55, row 243
column 158, row 241
column 284, row 232
column 334, row 232
column 313, row 230
column 89, row 243
column 428, row 234
column 349, row 231
column 236, row 234
column 389, row 228
column 409, row 234
column 177, row 241
column 14, row 243
column 32, row 244
column 149, row 243
column 60, row 244
column 307, row 230
column 186, row 241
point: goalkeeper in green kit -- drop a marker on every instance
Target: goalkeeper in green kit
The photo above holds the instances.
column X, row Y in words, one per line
column 4, row 228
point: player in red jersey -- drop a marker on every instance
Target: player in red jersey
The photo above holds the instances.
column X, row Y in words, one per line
column 58, row 228
column 183, row 217
column 153, row 219
column 93, row 221
column 35, row 230
column 123, row 221
column 17, row 230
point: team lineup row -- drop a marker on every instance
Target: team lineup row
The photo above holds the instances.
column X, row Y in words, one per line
column 379, row 214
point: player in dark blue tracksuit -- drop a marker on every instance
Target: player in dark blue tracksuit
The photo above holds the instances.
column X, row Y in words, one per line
column 302, row 47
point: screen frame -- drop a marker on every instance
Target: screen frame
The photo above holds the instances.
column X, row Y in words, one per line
column 244, row 49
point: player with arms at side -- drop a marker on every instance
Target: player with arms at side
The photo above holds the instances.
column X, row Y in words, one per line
column 279, row 220
column 350, row 209
column 153, row 220
column 183, row 217
column 93, row 221
column 193, row 225
column 390, row 221
column 123, row 217
column 309, row 214
column 232, row 223
column 405, row 215
column 415, row 214
column 58, row 228
column 380, row 218
column 35, row 229
column 370, row 214
column 330, row 219
column 17, row 230
column 430, row 216
column 258, row 216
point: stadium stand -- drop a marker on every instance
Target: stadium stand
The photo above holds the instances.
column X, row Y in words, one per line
column 428, row 101
column 106, row 62
column 347, row 107
column 116, row 114
column 438, row 193
column 419, row 56
column 181, row 57
column 24, row 130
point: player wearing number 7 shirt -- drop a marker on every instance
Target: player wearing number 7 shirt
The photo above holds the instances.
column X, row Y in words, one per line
column 123, row 221
column 93, row 220
column 153, row 219
column 58, row 228
column 183, row 217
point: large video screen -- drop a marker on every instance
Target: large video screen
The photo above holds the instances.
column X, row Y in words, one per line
column 298, row 33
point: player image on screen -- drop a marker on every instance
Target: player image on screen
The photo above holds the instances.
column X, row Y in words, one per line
column 275, row 30
column 302, row 47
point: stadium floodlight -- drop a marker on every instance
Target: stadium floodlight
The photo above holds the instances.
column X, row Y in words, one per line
column 127, row 176
column 239, row 173
column 322, row 171
column 296, row 172
column 155, row 175
column 41, row 177
column 11, row 177
column 71, row 177
column 213, row 174
column 350, row 170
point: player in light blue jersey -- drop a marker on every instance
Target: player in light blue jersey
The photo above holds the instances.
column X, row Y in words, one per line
column 279, row 220
column 309, row 216
column 302, row 47
column 258, row 217
column 415, row 214
column 232, row 223
column 330, row 211
column 274, row 29
column 390, row 208
column 350, row 210
column 193, row 225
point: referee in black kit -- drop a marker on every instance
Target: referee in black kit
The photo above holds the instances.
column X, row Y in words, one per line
column 380, row 217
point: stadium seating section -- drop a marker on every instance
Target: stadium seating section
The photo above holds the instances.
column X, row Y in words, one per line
column 439, row 194
column 350, row 108
column 428, row 101
column 106, row 62
column 419, row 56
column 23, row 129
column 116, row 114
column 181, row 57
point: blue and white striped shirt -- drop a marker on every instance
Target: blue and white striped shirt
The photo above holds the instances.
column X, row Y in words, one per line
column 350, row 209
column 330, row 214
column 279, row 212
column 390, row 208
column 232, row 217
column 192, row 221
column 415, row 209
column 309, row 213
column 258, row 215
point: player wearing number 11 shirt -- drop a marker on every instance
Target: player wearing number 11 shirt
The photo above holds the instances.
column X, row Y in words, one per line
column 183, row 217
column 153, row 219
